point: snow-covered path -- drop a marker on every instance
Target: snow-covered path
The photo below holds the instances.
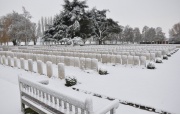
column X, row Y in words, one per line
column 9, row 103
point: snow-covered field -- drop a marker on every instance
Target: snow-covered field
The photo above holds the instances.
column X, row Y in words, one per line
column 157, row 88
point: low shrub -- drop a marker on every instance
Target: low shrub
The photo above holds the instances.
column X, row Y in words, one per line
column 151, row 65
column 158, row 60
column 169, row 55
column 165, row 57
column 70, row 81
column 103, row 71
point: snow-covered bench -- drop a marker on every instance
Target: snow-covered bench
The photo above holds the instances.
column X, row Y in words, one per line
column 43, row 99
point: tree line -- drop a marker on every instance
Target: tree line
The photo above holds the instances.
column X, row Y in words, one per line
column 76, row 20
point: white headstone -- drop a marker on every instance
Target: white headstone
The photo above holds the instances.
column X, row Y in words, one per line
column 76, row 62
column 9, row 61
column 82, row 63
column 15, row 62
column 94, row 64
column 61, row 71
column 113, row 59
column 40, row 67
column 49, row 69
column 104, row 58
column 136, row 60
column 22, row 63
column 152, row 56
column 118, row 59
column 72, row 61
column 108, row 58
column 67, row 61
column 143, row 60
column 30, row 65
column 53, row 58
column 98, row 56
column 88, row 63
column 130, row 60
column 124, row 59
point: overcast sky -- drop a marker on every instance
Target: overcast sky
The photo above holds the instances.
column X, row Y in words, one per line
column 136, row 13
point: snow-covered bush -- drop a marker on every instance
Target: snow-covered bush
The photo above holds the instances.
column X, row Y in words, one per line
column 151, row 65
column 158, row 60
column 103, row 71
column 169, row 55
column 70, row 81
column 165, row 57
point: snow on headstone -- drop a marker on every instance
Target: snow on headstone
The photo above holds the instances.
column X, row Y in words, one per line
column 15, row 62
column 30, row 65
column 22, row 63
column 143, row 60
column 94, row 64
column 124, row 59
column 118, row 59
column 9, row 61
column 130, row 60
column 71, row 61
column 88, row 63
column 89, row 105
column 40, row 67
column 104, row 58
column 49, row 69
column 136, row 60
column 76, row 62
column 61, row 71
column 82, row 63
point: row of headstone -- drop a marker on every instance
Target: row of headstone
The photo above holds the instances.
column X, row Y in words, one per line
column 49, row 68
column 149, row 56
column 124, row 59
column 68, row 61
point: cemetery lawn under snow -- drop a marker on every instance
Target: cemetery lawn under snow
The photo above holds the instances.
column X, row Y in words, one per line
column 157, row 88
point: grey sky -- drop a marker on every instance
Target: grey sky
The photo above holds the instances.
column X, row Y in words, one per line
column 136, row 13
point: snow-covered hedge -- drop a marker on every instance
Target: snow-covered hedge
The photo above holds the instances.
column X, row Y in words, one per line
column 70, row 81
column 169, row 55
column 151, row 65
column 165, row 57
column 103, row 71
column 158, row 60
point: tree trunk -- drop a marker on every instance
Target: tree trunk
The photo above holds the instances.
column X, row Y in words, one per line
column 100, row 42
column 34, row 42
column 14, row 42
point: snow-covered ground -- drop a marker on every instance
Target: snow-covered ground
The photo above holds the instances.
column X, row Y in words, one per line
column 155, row 88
